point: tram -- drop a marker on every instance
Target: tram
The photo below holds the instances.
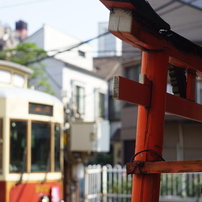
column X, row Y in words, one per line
column 31, row 159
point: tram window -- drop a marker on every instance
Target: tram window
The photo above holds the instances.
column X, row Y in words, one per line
column 5, row 76
column 18, row 80
column 1, row 155
column 57, row 147
column 18, row 146
column 1, row 145
column 40, row 160
column 1, row 128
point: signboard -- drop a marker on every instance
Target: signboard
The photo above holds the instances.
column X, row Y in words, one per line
column 40, row 109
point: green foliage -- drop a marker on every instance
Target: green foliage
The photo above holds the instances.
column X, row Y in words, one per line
column 30, row 55
column 181, row 185
column 102, row 158
column 124, row 187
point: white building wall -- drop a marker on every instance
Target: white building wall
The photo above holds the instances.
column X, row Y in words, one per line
column 54, row 73
column 53, row 40
column 38, row 38
column 67, row 70
column 91, row 84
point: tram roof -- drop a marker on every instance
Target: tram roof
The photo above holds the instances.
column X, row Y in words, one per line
column 17, row 66
column 29, row 94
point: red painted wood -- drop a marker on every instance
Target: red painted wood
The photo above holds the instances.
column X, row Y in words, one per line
column 116, row 4
column 131, row 91
column 184, row 108
column 3, row 195
column 191, row 85
column 150, row 126
column 137, row 93
column 137, row 167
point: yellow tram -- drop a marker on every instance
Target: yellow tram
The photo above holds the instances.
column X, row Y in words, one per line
column 31, row 123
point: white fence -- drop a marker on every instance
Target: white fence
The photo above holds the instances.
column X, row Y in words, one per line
column 112, row 184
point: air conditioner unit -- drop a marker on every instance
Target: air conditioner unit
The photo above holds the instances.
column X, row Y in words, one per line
column 90, row 136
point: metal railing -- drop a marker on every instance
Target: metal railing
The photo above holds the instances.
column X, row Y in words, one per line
column 110, row 184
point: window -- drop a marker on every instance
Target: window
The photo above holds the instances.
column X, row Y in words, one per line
column 5, row 76
column 57, row 147
column 132, row 72
column 40, row 152
column 101, row 105
column 18, row 80
column 18, row 130
column 1, row 144
column 82, row 53
column 114, row 109
column 80, row 99
column 128, row 148
column 200, row 96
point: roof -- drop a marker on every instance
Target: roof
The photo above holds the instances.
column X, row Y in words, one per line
column 16, row 66
column 194, row 3
column 107, row 67
column 184, row 18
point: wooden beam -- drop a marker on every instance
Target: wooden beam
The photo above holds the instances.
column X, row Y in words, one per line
column 183, row 107
column 118, row 4
column 140, row 167
column 140, row 94
column 131, row 91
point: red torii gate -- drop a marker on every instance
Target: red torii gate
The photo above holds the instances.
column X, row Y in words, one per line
column 135, row 22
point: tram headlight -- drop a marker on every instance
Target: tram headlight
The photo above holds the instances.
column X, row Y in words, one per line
column 44, row 198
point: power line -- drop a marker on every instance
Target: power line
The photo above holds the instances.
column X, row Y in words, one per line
column 66, row 50
column 178, row 6
column 165, row 5
column 22, row 4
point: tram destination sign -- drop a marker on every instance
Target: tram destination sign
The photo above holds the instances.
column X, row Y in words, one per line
column 40, row 109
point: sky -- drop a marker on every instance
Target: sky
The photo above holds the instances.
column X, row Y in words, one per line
column 78, row 18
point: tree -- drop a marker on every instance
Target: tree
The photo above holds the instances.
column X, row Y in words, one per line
column 30, row 55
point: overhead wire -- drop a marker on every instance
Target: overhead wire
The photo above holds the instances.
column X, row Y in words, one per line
column 22, row 4
column 177, row 7
column 66, row 50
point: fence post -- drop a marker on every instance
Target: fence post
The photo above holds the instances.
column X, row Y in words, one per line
column 86, row 184
column 104, row 183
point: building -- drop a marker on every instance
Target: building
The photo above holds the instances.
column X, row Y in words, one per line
column 108, row 67
column 69, row 67
column 11, row 38
column 108, row 45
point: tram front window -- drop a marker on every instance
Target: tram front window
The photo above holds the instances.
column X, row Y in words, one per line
column 40, row 160
column 57, row 147
column 18, row 146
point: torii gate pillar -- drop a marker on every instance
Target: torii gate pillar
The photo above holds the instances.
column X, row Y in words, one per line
column 150, row 125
